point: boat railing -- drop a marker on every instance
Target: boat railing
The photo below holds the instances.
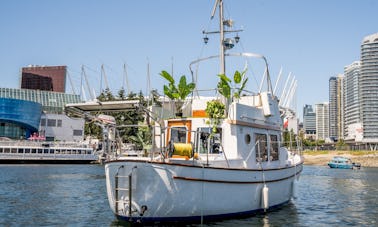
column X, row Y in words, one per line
column 26, row 143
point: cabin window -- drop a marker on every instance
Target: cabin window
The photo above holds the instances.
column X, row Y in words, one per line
column 273, row 147
column 262, row 149
column 203, row 136
column 178, row 135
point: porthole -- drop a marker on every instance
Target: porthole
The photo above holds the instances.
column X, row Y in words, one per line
column 247, row 139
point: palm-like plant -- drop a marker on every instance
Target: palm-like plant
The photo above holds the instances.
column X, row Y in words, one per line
column 179, row 92
column 225, row 86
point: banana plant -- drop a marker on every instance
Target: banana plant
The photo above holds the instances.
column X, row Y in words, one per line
column 225, row 85
column 177, row 92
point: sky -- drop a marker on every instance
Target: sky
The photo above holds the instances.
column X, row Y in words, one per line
column 312, row 40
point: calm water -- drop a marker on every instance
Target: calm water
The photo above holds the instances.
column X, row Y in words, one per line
column 75, row 195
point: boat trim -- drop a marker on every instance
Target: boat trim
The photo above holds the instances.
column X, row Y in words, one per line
column 243, row 123
column 233, row 182
column 206, row 167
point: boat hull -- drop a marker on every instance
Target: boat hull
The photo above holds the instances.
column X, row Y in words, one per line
column 340, row 166
column 163, row 192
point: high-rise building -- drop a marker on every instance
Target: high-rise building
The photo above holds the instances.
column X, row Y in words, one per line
column 352, row 119
column 368, row 87
column 46, row 78
column 336, row 107
column 309, row 122
column 322, row 121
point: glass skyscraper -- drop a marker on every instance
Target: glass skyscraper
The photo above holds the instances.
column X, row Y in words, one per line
column 368, row 84
column 309, row 121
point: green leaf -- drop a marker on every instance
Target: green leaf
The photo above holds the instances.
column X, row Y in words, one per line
column 223, row 86
column 167, row 76
column 237, row 77
column 243, row 84
column 168, row 92
column 224, row 78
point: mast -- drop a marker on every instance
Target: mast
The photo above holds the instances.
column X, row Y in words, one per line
column 225, row 43
column 222, row 62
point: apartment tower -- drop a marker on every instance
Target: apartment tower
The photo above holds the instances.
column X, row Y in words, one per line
column 352, row 119
column 368, row 87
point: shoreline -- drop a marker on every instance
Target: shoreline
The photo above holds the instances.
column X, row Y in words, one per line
column 321, row 158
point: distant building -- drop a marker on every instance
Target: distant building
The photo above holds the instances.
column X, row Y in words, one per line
column 336, row 107
column 46, row 78
column 24, row 112
column 52, row 102
column 322, row 121
column 352, row 118
column 19, row 118
column 368, row 84
column 61, row 127
column 309, row 122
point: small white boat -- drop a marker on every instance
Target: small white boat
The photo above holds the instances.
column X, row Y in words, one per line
column 235, row 169
column 24, row 151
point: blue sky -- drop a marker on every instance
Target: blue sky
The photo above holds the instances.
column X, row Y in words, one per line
column 313, row 40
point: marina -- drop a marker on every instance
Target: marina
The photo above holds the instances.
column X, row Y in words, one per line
column 75, row 195
column 210, row 133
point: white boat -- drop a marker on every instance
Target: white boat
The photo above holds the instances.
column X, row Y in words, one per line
column 236, row 170
column 42, row 152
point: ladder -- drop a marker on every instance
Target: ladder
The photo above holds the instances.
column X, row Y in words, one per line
column 126, row 188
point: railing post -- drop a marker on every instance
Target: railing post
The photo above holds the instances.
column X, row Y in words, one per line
column 116, row 193
column 130, row 192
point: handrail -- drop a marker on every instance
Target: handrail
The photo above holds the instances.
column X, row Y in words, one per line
column 252, row 149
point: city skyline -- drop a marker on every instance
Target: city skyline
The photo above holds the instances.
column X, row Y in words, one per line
column 313, row 40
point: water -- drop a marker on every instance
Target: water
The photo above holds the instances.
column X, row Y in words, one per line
column 75, row 195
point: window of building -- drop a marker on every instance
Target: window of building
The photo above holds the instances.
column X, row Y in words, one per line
column 77, row 132
column 43, row 122
column 51, row 122
column 59, row 123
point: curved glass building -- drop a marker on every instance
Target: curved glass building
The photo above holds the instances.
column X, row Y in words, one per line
column 368, row 84
column 19, row 118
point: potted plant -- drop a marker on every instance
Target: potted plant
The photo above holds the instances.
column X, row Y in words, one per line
column 179, row 92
